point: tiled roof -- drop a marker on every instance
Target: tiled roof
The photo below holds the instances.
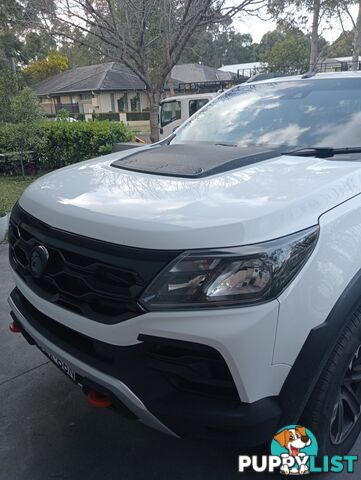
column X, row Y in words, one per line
column 102, row 77
column 116, row 76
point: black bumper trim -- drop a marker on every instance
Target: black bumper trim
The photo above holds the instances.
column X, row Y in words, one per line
column 184, row 413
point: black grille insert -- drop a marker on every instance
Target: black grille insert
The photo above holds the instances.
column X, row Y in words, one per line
column 156, row 367
column 96, row 279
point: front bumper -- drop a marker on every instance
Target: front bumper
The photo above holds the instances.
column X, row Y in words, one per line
column 147, row 392
column 118, row 388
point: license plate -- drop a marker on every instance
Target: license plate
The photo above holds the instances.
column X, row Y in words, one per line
column 63, row 366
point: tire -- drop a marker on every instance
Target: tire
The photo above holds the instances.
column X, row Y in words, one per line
column 336, row 387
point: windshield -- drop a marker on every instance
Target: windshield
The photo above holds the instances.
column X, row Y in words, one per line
column 310, row 112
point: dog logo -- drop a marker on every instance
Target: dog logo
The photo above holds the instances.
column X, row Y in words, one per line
column 295, row 445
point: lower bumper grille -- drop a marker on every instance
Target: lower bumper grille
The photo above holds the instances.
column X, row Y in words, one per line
column 173, row 365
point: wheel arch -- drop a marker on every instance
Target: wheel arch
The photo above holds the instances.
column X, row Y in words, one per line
column 312, row 358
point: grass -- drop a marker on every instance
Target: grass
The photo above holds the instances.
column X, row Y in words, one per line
column 10, row 190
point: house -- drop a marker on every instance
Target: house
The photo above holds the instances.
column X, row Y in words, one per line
column 113, row 87
column 103, row 88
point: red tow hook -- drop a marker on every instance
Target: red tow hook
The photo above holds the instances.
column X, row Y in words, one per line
column 98, row 400
column 14, row 327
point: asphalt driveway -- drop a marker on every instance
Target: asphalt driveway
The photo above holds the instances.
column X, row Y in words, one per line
column 49, row 431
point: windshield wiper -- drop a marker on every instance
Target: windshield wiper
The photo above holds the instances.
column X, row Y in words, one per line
column 322, row 152
column 226, row 144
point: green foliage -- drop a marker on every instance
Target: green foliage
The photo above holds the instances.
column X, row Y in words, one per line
column 342, row 46
column 285, row 49
column 219, row 46
column 37, row 46
column 268, row 41
column 25, row 107
column 239, row 48
column 10, row 85
column 51, row 65
column 63, row 113
column 26, row 114
column 57, row 144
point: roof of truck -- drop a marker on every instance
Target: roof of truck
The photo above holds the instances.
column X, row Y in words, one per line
column 190, row 96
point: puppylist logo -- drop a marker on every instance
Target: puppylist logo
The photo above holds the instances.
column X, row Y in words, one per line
column 295, row 445
column 293, row 452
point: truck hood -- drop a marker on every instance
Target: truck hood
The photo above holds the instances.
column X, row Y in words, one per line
column 251, row 204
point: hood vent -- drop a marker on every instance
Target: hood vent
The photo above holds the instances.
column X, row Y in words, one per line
column 192, row 160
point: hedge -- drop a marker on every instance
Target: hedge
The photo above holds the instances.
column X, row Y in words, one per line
column 56, row 144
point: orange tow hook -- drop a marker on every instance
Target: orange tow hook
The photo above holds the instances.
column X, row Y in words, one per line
column 14, row 328
column 98, row 400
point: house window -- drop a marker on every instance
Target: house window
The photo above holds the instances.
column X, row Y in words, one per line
column 135, row 103
column 112, row 102
column 123, row 103
column 86, row 96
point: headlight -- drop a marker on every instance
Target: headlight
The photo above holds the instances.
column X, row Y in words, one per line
column 231, row 276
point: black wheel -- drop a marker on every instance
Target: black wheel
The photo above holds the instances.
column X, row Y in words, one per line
column 333, row 412
column 347, row 407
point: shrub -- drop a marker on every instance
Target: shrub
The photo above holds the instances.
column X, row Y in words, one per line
column 56, row 144
column 25, row 107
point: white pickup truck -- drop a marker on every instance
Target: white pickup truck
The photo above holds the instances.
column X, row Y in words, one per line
column 210, row 284
column 176, row 110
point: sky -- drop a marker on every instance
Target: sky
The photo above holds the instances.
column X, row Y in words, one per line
column 257, row 27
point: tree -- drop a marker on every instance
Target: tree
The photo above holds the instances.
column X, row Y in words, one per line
column 357, row 40
column 51, row 65
column 10, row 85
column 342, row 46
column 26, row 114
column 239, row 48
column 343, row 9
column 318, row 9
column 148, row 36
column 268, row 41
column 25, row 107
column 219, row 45
column 37, row 46
column 287, row 50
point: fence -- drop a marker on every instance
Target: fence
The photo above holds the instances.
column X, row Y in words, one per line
column 338, row 66
column 77, row 116
column 111, row 116
column 115, row 116
column 71, row 107
column 138, row 116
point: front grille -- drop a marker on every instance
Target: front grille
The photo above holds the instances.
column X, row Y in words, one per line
column 96, row 279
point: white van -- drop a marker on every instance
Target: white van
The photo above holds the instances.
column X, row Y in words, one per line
column 176, row 110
